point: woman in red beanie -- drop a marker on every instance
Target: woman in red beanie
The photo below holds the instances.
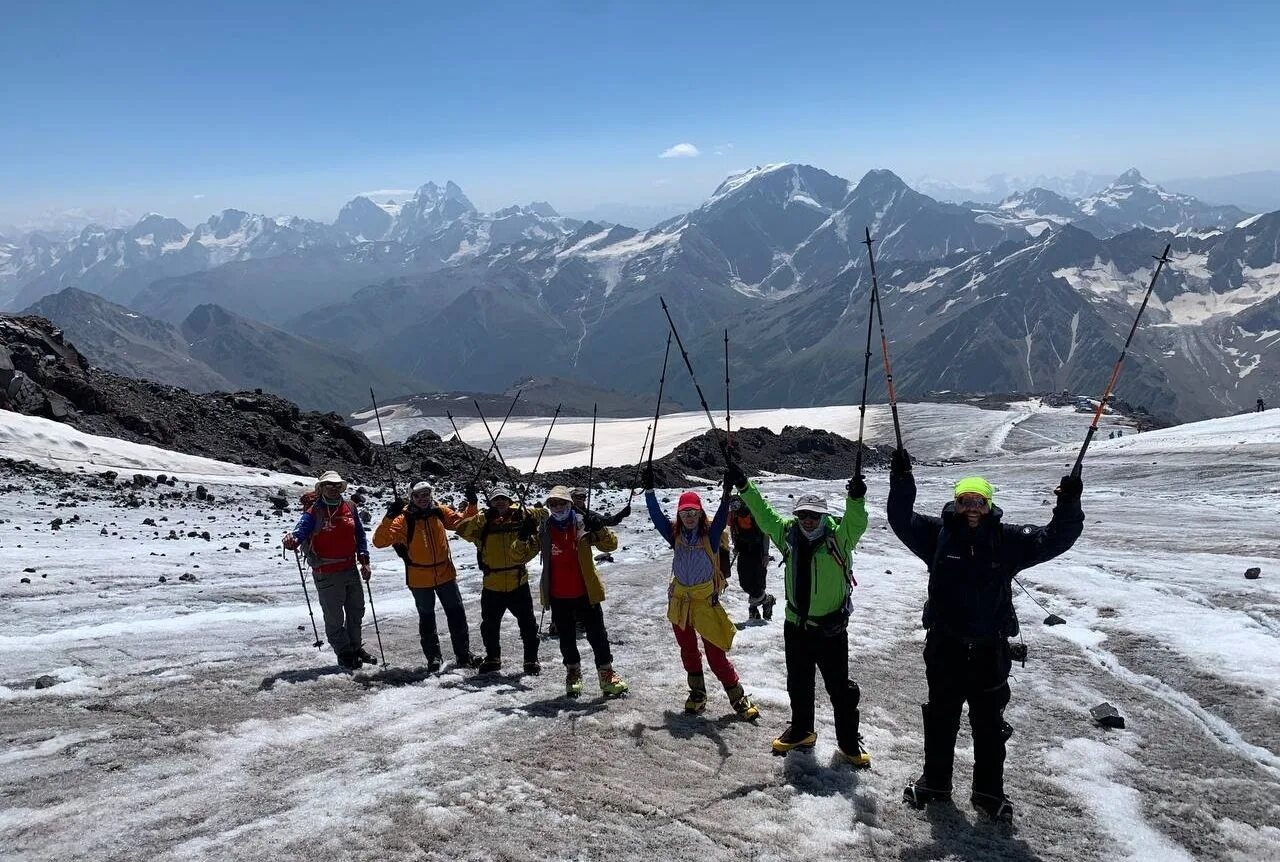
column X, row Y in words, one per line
column 693, row 605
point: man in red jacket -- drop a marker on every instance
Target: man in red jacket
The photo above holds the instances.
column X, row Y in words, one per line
column 334, row 536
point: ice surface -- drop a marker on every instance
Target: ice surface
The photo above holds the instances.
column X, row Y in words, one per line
column 195, row 721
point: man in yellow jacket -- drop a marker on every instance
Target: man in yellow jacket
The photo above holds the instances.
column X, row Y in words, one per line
column 570, row 585
column 418, row 535
column 506, row 577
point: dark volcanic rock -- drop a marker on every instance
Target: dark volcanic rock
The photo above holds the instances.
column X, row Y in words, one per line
column 244, row 427
column 808, row 452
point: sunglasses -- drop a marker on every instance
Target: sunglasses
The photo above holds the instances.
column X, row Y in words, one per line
column 809, row 516
column 975, row 502
column 557, row 505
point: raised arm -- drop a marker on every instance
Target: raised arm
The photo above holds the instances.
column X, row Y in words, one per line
column 660, row 521
column 918, row 532
column 718, row 522
column 471, row 528
column 391, row 531
column 1034, row 545
column 854, row 522
column 770, row 522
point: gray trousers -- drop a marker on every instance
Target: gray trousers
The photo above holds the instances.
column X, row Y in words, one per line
column 342, row 603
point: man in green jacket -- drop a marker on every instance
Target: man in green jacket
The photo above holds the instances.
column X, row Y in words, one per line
column 817, row 549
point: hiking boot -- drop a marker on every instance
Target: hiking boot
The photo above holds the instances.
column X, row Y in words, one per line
column 791, row 739
column 347, row 660
column 470, row 661
column 573, row 680
column 433, row 664
column 753, row 612
column 365, row 657
column 766, row 607
column 920, row 793
column 857, row 758
column 742, row 703
column 611, row 685
column 533, row 668
column 490, row 665
column 998, row 808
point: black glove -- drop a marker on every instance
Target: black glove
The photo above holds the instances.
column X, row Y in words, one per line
column 856, row 487
column 395, row 507
column 592, row 521
column 528, row 528
column 734, row 476
column 472, row 496
column 1069, row 489
column 646, row 477
column 900, row 464
column 622, row 515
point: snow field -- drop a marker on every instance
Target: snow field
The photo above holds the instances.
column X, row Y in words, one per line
column 195, row 721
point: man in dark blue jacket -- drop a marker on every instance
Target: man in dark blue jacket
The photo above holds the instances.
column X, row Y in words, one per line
column 972, row 558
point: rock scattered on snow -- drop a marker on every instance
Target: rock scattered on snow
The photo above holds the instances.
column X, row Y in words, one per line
column 46, row 681
column 1253, row 573
column 1108, row 716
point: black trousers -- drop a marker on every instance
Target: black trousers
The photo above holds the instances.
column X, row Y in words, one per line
column 752, row 567
column 451, row 599
column 566, row 613
column 809, row 650
column 959, row 671
column 494, row 605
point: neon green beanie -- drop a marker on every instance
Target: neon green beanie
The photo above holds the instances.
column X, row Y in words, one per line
column 976, row 485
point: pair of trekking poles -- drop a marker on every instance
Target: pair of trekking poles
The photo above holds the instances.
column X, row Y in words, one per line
column 315, row 631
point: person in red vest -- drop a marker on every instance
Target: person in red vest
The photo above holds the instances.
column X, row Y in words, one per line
column 333, row 535
column 751, row 548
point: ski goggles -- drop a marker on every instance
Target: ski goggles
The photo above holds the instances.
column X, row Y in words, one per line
column 972, row 502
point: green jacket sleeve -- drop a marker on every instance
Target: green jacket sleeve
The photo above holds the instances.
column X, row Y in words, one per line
column 770, row 522
column 853, row 525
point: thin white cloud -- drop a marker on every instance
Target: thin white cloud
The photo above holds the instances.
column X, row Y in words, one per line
column 197, row 197
column 680, row 151
column 383, row 193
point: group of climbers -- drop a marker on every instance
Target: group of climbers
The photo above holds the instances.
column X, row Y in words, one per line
column 971, row 556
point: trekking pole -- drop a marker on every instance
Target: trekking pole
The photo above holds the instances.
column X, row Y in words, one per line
column 591, row 459
column 728, row 433
column 884, row 342
column 494, row 444
column 1115, row 374
column 494, row 447
column 466, row 450
column 632, row 495
column 866, row 374
column 374, row 611
column 545, row 440
column 694, row 377
column 395, row 494
column 319, row 643
column 657, row 411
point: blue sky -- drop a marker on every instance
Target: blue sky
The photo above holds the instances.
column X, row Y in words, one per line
column 295, row 107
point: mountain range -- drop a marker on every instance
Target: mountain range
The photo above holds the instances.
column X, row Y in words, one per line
column 215, row 350
column 1033, row 293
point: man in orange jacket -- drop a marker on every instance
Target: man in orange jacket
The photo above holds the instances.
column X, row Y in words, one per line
column 418, row 535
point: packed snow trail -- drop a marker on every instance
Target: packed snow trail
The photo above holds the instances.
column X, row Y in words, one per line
column 193, row 720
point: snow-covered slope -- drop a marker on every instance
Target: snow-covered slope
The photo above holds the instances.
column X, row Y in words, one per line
column 193, row 720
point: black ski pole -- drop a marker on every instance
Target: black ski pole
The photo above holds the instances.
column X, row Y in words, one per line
column 492, row 437
column 884, row 342
column 319, row 643
column 591, row 459
column 395, row 494
column 866, row 374
column 1115, row 374
column 374, row 611
column 466, row 450
column 694, row 377
column 495, row 448
column 657, row 410
column 538, row 461
column 728, row 433
column 639, row 464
